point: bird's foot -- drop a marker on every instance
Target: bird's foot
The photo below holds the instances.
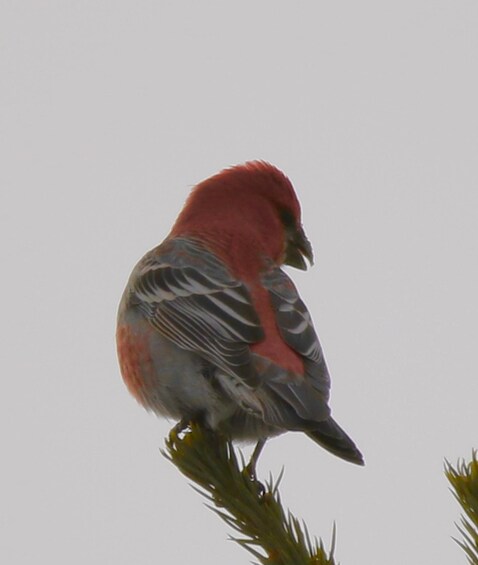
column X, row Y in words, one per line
column 250, row 469
column 180, row 428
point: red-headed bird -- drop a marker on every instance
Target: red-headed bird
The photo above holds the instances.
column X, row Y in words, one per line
column 211, row 329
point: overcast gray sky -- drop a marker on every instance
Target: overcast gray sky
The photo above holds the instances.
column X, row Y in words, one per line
column 110, row 113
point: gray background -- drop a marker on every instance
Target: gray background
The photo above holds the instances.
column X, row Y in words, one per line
column 110, row 112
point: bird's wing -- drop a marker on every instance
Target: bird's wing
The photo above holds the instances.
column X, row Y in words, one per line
column 297, row 330
column 305, row 400
column 190, row 297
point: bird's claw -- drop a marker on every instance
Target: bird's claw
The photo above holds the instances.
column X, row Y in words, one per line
column 180, row 429
column 249, row 472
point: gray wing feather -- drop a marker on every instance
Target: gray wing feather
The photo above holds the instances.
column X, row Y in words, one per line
column 297, row 329
column 292, row 316
column 191, row 298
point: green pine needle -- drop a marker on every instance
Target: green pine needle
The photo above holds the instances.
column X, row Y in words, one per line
column 272, row 535
column 464, row 482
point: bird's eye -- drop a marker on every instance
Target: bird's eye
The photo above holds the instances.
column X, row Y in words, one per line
column 287, row 218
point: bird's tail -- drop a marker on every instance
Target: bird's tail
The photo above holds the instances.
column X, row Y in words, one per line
column 332, row 437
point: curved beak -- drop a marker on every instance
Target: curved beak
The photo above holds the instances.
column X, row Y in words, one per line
column 298, row 248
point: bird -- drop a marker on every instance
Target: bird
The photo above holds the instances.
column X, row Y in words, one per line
column 212, row 330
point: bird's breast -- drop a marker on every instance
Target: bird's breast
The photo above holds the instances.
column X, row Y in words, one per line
column 134, row 359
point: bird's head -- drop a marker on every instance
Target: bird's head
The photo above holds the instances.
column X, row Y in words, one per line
column 252, row 205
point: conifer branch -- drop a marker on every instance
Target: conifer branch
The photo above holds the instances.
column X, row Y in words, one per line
column 464, row 482
column 271, row 534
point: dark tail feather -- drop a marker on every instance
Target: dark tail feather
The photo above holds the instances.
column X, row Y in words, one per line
column 332, row 437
